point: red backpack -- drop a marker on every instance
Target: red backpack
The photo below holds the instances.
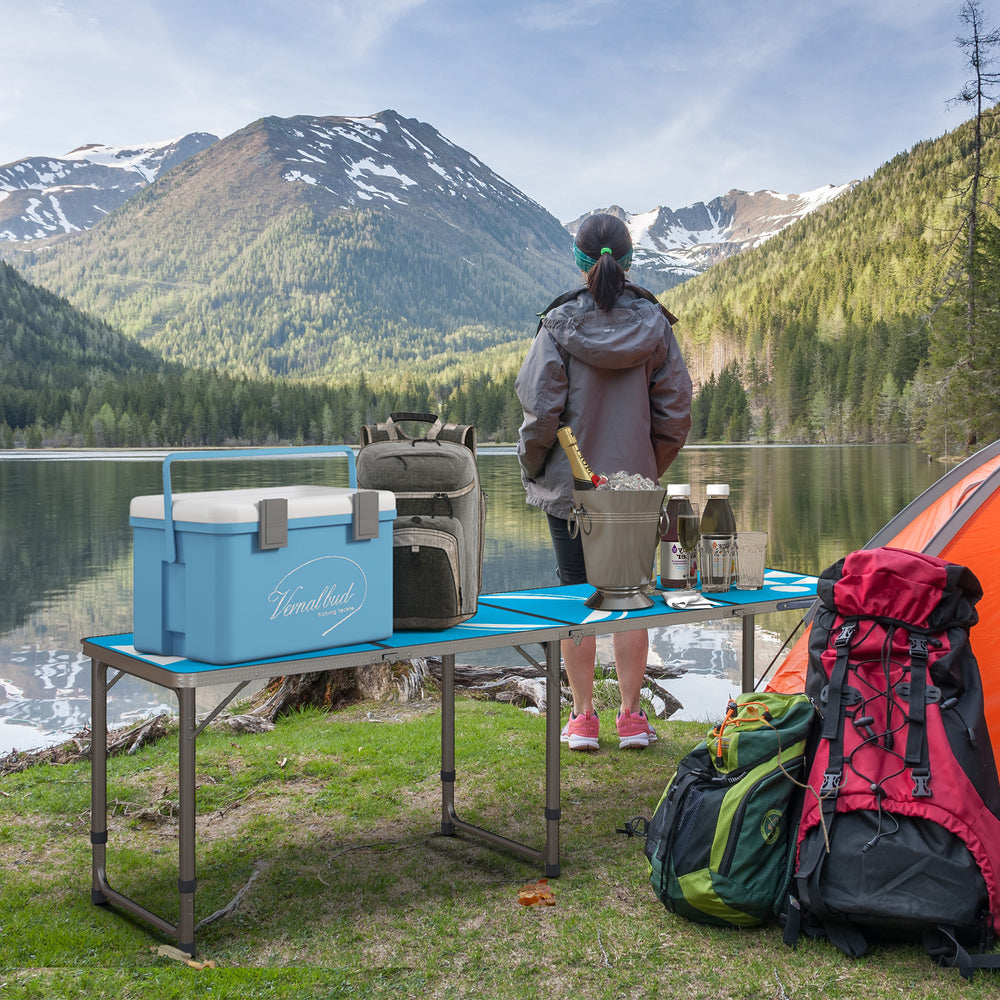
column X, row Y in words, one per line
column 899, row 836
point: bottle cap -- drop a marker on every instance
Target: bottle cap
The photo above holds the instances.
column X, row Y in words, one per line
column 679, row 490
column 717, row 489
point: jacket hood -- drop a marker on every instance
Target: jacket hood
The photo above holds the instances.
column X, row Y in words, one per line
column 623, row 337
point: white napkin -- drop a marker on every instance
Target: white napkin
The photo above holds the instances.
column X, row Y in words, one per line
column 688, row 602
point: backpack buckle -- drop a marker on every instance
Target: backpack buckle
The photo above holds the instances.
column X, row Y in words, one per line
column 844, row 635
column 831, row 783
column 922, row 786
column 918, row 645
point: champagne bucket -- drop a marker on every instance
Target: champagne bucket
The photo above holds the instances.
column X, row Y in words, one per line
column 620, row 530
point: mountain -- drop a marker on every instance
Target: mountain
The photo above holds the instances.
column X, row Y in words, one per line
column 44, row 197
column 672, row 246
column 318, row 246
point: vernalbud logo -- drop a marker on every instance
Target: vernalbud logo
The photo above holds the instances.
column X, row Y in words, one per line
column 329, row 589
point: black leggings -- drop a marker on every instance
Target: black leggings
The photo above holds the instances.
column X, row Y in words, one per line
column 569, row 552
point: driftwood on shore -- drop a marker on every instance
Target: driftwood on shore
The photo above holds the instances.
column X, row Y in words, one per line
column 128, row 740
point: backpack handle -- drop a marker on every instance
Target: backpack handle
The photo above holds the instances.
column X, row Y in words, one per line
column 397, row 434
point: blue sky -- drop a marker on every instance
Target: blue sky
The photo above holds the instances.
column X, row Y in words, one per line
column 579, row 103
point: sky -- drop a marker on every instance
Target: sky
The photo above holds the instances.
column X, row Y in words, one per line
column 579, row 103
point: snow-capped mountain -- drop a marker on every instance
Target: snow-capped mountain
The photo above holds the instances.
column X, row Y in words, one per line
column 384, row 159
column 43, row 196
column 687, row 241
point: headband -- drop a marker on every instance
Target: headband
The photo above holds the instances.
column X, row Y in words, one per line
column 585, row 262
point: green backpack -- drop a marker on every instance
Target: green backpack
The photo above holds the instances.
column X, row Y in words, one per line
column 721, row 841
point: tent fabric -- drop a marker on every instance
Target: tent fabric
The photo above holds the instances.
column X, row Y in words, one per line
column 957, row 519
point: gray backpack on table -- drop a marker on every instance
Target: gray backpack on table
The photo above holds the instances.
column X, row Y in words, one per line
column 438, row 534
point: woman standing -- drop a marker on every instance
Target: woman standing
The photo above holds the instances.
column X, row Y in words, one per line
column 604, row 362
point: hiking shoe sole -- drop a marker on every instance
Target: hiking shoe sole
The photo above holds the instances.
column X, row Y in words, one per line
column 638, row 741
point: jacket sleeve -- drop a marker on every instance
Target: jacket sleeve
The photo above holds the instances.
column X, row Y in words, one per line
column 669, row 406
column 541, row 388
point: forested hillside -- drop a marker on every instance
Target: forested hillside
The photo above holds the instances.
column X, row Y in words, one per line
column 67, row 379
column 824, row 333
column 386, row 246
column 52, row 356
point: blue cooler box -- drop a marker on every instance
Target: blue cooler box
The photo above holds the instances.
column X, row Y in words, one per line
column 228, row 576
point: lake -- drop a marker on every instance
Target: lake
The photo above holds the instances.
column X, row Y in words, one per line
column 66, row 554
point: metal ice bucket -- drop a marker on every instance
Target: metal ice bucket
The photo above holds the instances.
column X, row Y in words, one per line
column 620, row 530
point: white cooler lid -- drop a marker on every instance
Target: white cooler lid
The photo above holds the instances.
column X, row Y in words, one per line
column 240, row 506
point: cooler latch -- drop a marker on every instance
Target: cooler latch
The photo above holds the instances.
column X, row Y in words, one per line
column 272, row 523
column 364, row 504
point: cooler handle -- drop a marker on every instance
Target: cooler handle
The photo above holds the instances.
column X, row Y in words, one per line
column 170, row 553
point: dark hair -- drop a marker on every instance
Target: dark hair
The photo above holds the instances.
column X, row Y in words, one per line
column 606, row 279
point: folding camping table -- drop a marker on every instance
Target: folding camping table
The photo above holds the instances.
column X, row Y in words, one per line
column 513, row 619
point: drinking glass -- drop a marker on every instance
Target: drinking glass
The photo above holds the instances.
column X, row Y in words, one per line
column 688, row 534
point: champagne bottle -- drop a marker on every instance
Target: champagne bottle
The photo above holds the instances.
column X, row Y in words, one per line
column 583, row 478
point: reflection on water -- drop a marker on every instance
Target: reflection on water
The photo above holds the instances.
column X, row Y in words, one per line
column 66, row 553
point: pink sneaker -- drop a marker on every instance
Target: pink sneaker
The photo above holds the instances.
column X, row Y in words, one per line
column 633, row 729
column 650, row 731
column 581, row 731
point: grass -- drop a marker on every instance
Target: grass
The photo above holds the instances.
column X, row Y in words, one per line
column 356, row 894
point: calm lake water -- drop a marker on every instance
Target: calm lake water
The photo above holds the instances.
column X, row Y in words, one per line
column 66, row 553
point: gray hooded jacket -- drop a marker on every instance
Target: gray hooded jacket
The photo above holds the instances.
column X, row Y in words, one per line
column 618, row 379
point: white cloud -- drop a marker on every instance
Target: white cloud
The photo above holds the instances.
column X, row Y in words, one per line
column 566, row 14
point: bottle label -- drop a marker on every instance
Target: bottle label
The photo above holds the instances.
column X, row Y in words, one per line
column 673, row 568
column 676, row 569
column 718, row 570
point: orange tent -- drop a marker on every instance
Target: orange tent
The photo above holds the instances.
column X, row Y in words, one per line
column 958, row 519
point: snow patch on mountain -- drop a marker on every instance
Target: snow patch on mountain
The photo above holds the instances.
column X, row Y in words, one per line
column 48, row 196
column 406, row 161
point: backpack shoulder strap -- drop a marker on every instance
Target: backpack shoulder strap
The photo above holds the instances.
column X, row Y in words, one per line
column 559, row 300
column 464, row 434
column 643, row 293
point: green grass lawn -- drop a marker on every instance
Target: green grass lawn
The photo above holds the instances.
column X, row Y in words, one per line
column 355, row 893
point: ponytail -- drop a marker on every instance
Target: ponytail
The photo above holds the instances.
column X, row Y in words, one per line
column 606, row 281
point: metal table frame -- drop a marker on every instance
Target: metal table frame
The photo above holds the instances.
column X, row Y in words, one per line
column 515, row 627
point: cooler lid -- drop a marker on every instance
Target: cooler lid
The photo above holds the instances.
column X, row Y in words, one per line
column 240, row 506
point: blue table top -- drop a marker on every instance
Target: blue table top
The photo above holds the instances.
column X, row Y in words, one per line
column 509, row 614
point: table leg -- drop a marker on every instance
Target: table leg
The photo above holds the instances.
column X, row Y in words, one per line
column 451, row 822
column 749, row 680
column 98, row 778
column 553, row 810
column 448, row 744
column 186, row 700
